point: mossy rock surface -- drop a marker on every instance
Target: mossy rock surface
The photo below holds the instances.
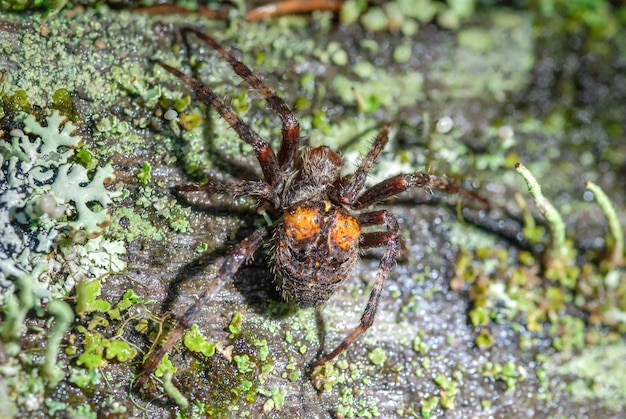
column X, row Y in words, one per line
column 468, row 325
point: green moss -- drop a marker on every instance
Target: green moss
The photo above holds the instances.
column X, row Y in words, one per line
column 129, row 299
column 196, row 342
column 235, row 324
column 165, row 367
column 428, row 405
column 13, row 104
column 94, row 347
column 568, row 333
column 479, row 316
column 324, row 377
column 419, row 345
column 508, row 373
column 243, row 363
column 138, row 225
column 144, row 173
column 377, row 356
column 374, row 19
column 121, row 351
column 401, row 14
column 153, row 216
column 87, row 293
column 449, row 390
column 263, row 349
column 48, row 6
column 62, row 101
column 85, row 158
column 85, row 378
column 592, row 375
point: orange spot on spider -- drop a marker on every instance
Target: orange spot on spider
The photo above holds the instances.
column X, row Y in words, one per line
column 302, row 222
column 345, row 231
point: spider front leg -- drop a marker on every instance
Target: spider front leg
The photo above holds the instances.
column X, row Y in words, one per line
column 389, row 238
column 241, row 253
column 348, row 194
column 290, row 126
column 262, row 150
column 400, row 183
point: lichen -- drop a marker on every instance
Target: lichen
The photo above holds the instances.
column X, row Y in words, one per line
column 596, row 374
column 50, row 206
column 38, row 162
column 63, row 317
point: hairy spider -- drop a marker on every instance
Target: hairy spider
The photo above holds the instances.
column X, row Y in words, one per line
column 316, row 235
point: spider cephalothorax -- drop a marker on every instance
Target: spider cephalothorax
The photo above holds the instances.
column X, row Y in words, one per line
column 316, row 235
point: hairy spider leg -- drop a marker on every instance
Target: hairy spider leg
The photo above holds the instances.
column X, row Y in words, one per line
column 256, row 188
column 290, row 126
column 243, row 252
column 389, row 238
column 262, row 150
column 400, row 183
column 349, row 193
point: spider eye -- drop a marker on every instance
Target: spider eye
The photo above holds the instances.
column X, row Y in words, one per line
column 345, row 231
column 302, row 222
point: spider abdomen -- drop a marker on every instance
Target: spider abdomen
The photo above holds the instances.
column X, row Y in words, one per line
column 314, row 250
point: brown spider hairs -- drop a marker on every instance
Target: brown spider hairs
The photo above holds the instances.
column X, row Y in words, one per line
column 318, row 216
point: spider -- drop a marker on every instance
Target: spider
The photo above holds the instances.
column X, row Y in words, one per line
column 319, row 216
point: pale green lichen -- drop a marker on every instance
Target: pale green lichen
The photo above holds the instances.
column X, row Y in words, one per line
column 36, row 165
column 173, row 392
column 72, row 185
column 49, row 207
column 596, row 374
column 63, row 317
column 90, row 261
column 554, row 219
column 152, row 217
column 16, row 307
column 559, row 256
column 616, row 249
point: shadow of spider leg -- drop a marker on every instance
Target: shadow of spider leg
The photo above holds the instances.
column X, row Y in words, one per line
column 243, row 252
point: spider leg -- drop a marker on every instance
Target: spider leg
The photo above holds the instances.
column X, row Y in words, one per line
column 391, row 239
column 290, row 126
column 241, row 253
column 400, row 183
column 349, row 193
column 256, row 188
column 262, row 149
